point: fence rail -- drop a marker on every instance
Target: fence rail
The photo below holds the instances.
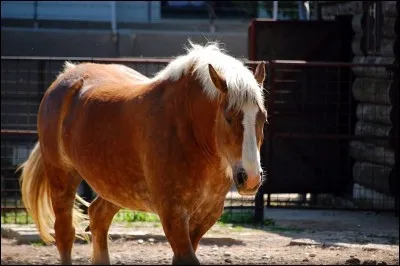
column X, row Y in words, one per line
column 318, row 123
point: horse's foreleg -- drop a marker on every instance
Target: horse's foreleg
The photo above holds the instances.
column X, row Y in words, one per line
column 63, row 188
column 201, row 222
column 101, row 213
column 176, row 229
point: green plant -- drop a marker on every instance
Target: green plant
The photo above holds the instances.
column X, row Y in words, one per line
column 135, row 216
column 38, row 244
column 18, row 217
column 242, row 217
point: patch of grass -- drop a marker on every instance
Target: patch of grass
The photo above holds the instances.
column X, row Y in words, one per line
column 292, row 229
column 238, row 228
column 270, row 225
column 38, row 244
column 269, row 222
column 18, row 217
column 240, row 217
column 135, row 216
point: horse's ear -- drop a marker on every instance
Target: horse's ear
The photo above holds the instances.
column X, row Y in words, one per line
column 259, row 74
column 218, row 80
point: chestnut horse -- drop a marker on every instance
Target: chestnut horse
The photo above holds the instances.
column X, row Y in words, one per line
column 171, row 145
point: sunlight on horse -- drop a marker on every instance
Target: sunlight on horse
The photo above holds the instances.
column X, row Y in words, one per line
column 172, row 145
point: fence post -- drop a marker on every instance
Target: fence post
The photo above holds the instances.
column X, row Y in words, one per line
column 259, row 206
column 265, row 155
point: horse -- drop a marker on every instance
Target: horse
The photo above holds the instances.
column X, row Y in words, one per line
column 172, row 144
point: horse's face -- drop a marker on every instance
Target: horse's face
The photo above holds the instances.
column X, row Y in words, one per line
column 239, row 136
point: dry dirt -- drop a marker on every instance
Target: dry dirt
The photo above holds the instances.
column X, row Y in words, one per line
column 234, row 245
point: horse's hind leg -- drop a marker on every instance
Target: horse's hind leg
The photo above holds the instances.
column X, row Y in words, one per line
column 101, row 213
column 63, row 189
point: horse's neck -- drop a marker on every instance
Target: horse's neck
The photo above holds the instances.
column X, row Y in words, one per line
column 202, row 115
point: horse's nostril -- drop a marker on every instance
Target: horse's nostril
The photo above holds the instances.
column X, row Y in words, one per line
column 242, row 176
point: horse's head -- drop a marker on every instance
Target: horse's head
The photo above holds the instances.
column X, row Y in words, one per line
column 239, row 131
column 239, row 117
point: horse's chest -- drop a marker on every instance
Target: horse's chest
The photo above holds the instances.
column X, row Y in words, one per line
column 215, row 191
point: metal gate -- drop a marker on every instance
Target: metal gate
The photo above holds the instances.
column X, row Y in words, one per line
column 332, row 134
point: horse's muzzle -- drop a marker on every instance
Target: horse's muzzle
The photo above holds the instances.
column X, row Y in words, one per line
column 245, row 184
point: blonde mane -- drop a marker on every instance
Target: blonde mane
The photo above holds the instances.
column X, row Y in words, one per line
column 242, row 86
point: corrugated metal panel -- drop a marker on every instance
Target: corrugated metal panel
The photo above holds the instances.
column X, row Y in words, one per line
column 17, row 9
column 75, row 10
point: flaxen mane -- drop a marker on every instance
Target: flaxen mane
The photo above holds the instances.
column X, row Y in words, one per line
column 242, row 86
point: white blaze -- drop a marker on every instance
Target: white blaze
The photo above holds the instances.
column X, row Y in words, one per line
column 250, row 153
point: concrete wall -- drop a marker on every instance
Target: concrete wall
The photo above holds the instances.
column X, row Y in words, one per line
column 19, row 42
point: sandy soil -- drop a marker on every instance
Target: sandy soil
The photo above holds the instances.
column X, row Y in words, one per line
column 233, row 245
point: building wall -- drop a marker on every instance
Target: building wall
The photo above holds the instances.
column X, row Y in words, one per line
column 93, row 11
column 375, row 91
column 20, row 42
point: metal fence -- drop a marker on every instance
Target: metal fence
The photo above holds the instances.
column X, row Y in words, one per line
column 330, row 141
column 23, row 83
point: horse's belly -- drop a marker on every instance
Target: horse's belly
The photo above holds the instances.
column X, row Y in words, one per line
column 126, row 191
column 133, row 202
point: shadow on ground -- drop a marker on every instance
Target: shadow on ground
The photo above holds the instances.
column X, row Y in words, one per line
column 327, row 227
column 211, row 241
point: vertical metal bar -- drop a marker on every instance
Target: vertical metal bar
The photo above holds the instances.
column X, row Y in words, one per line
column 275, row 10
column 396, row 110
column 303, row 10
column 41, row 79
column 252, row 41
column 338, row 94
column 149, row 11
column 113, row 17
column 349, row 129
column 307, row 9
column 114, row 30
column 259, row 206
column 270, row 136
column 259, row 199
column 35, row 15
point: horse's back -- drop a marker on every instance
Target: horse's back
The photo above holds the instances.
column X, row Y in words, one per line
column 101, row 83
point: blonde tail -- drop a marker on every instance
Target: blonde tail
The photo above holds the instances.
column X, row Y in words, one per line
column 36, row 196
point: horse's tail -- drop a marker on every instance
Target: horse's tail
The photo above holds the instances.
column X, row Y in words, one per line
column 36, row 195
column 35, row 192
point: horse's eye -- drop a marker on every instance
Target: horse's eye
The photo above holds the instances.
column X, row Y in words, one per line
column 228, row 116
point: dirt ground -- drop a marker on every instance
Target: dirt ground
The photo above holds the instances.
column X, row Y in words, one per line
column 235, row 245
